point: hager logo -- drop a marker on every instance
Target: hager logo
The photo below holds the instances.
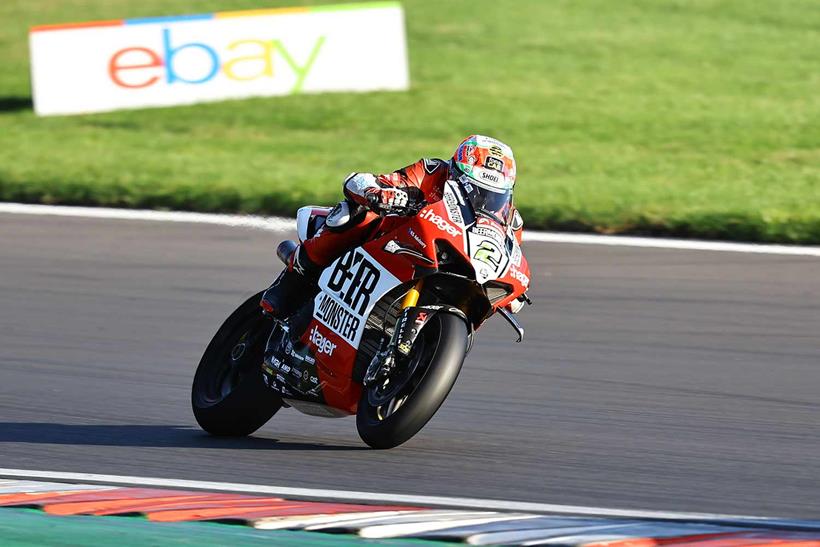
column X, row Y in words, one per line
column 139, row 67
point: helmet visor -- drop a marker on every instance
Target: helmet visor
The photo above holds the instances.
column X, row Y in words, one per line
column 494, row 202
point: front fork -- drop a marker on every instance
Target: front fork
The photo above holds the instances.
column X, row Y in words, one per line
column 385, row 359
column 412, row 296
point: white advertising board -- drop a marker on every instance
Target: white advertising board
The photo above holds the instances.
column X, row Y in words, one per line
column 162, row 61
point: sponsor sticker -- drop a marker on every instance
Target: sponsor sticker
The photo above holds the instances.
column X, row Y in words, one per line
column 416, row 238
column 488, row 233
column 516, row 254
column 321, row 342
column 520, row 276
column 453, row 210
column 350, row 288
column 354, row 279
column 441, row 223
column 485, row 176
column 337, row 318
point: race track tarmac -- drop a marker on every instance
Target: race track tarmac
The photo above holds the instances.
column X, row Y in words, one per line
column 649, row 379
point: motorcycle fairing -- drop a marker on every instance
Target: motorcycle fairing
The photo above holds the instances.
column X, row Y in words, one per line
column 318, row 367
column 488, row 253
column 289, row 366
column 349, row 290
column 321, row 357
column 490, row 247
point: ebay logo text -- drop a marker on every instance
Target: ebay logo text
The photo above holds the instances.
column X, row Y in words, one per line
column 138, row 67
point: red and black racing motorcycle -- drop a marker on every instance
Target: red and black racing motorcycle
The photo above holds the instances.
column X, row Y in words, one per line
column 383, row 337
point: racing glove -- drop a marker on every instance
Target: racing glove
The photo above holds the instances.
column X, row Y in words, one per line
column 395, row 201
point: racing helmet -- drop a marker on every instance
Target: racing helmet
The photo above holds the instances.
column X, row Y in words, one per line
column 485, row 169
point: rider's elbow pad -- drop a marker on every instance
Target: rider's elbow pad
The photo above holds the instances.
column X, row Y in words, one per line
column 358, row 183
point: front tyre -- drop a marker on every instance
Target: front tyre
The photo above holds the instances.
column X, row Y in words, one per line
column 388, row 415
column 228, row 396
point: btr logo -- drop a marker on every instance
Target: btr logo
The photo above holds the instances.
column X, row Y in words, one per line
column 322, row 343
column 354, row 278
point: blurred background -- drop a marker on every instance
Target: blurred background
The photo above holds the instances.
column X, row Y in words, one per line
column 691, row 118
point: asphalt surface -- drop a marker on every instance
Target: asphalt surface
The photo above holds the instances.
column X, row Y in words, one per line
column 649, row 379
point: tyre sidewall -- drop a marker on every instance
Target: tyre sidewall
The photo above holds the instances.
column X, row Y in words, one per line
column 251, row 403
column 438, row 380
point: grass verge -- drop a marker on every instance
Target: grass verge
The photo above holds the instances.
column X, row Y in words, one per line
column 696, row 118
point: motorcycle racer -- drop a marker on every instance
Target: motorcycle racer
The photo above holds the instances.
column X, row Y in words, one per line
column 484, row 168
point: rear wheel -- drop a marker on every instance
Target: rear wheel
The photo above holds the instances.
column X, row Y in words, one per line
column 393, row 410
column 228, row 396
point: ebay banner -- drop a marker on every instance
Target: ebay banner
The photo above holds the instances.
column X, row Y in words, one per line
column 161, row 61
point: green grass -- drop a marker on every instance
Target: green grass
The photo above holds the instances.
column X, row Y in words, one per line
column 687, row 118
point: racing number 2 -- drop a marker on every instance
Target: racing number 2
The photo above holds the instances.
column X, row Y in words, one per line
column 489, row 253
column 354, row 278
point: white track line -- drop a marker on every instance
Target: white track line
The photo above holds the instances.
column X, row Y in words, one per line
column 274, row 224
column 396, row 530
column 400, row 499
column 32, row 487
column 663, row 243
column 280, row 224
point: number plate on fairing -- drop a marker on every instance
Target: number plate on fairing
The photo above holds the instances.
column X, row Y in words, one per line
column 350, row 288
column 488, row 250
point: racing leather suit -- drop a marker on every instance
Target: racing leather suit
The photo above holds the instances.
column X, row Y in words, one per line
column 351, row 222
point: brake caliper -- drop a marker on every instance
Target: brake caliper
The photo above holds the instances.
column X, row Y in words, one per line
column 407, row 330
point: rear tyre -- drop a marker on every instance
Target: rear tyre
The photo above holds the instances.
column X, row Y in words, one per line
column 389, row 415
column 228, row 395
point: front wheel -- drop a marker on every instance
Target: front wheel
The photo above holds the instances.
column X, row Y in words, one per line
column 392, row 411
column 228, row 396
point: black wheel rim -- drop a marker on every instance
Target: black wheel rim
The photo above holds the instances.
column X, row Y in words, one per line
column 240, row 354
column 386, row 398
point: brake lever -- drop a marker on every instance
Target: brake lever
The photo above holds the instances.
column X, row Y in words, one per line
column 407, row 211
column 374, row 205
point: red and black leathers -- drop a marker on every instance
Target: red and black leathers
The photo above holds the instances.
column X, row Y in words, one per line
column 426, row 175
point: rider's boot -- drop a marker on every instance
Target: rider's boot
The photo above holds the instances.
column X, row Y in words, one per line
column 296, row 283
